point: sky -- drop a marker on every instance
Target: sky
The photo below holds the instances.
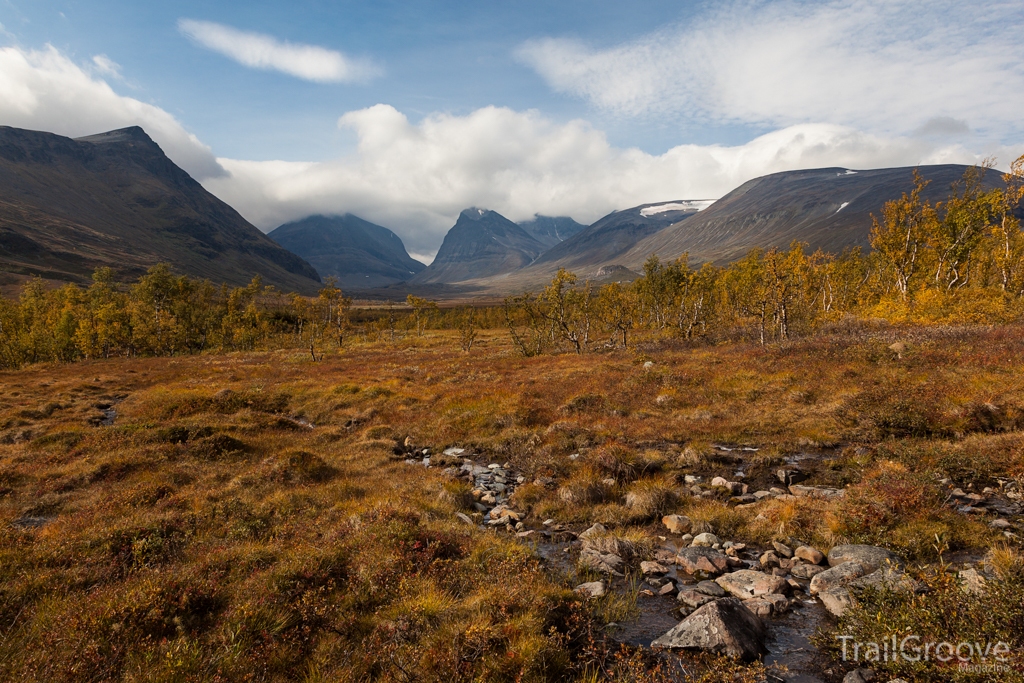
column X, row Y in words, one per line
column 405, row 113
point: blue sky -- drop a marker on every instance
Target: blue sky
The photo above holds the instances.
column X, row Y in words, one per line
column 407, row 112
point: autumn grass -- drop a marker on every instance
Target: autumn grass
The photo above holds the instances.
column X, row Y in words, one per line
column 246, row 516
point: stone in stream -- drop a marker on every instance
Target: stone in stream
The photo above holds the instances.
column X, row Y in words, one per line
column 594, row 589
column 724, row 626
column 698, row 559
column 839, row 596
column 840, row 575
column 668, row 589
column 782, row 549
column 747, row 583
column 606, row 563
column 759, row 606
column 694, row 599
column 769, row 559
column 677, row 524
column 706, row 539
column 647, row 568
column 806, row 571
column 710, row 588
column 790, row 477
column 809, row 554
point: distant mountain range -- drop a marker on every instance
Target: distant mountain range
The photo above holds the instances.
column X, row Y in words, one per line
column 481, row 244
column 827, row 208
column 357, row 253
column 69, row 206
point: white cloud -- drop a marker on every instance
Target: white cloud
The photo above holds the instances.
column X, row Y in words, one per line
column 875, row 65
column 107, row 66
column 44, row 90
column 259, row 51
column 416, row 178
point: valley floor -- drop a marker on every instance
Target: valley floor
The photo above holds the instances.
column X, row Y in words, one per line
column 411, row 512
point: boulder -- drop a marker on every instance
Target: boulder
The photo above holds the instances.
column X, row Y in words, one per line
column 698, row 559
column 694, row 599
column 710, row 588
column 706, row 539
column 769, row 559
column 868, row 555
column 809, row 554
column 782, row 549
column 839, row 575
column 677, row 524
column 806, row 571
column 647, row 568
column 836, row 600
column 759, row 606
column 668, row 589
column 780, row 603
column 593, row 589
column 973, row 583
column 722, row 627
column 816, row 492
column 747, row 583
column 790, row 477
column 606, row 563
column 859, row 676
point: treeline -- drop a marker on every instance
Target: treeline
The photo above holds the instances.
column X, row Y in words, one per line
column 958, row 261
column 163, row 314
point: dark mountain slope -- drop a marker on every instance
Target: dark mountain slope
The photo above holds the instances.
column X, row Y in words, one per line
column 602, row 244
column 114, row 199
column 358, row 253
column 828, row 208
column 481, row 244
column 550, row 230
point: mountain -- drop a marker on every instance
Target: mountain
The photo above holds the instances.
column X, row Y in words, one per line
column 481, row 244
column 69, row 206
column 550, row 230
column 828, row 208
column 599, row 248
column 358, row 253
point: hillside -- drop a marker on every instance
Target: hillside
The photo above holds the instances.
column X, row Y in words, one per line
column 550, row 230
column 828, row 208
column 68, row 206
column 358, row 253
column 481, row 244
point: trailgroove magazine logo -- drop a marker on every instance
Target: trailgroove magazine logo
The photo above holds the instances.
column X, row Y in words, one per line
column 978, row 657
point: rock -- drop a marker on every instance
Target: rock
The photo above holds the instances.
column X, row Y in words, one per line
column 596, row 530
column 692, row 479
column 606, row 563
column 899, row 348
column 594, row 589
column 769, row 559
column 839, row 575
column 790, row 477
column 782, row 549
column 809, row 554
column 677, row 524
column 1000, row 524
column 694, row 599
column 722, row 627
column 710, row 588
column 721, row 482
column 780, row 603
column 806, row 571
column 836, row 600
column 647, row 568
column 698, row 559
column 759, row 606
column 747, row 583
column 761, row 495
column 869, row 555
column 465, row 518
column 859, row 676
column 816, row 492
column 668, row 589
column 973, row 583
column 686, row 540
column 706, row 539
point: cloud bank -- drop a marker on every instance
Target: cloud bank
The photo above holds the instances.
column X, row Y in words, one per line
column 44, row 90
column 259, row 51
column 876, row 65
column 415, row 177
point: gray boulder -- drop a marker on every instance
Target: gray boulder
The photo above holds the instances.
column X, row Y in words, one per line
column 722, row 627
column 747, row 583
column 696, row 559
column 869, row 555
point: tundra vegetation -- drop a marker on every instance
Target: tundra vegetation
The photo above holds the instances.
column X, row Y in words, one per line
column 220, row 486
